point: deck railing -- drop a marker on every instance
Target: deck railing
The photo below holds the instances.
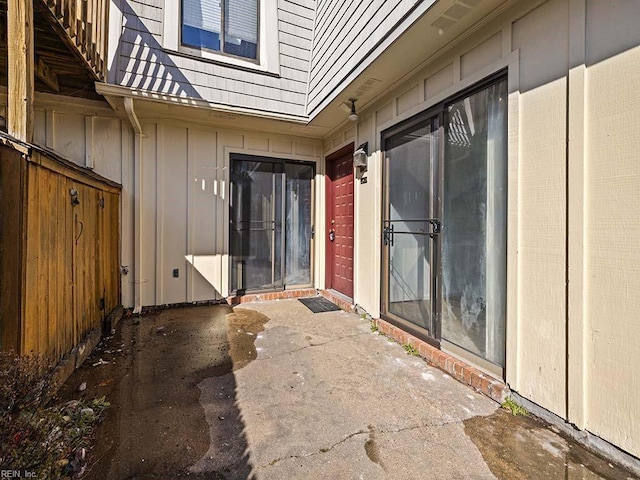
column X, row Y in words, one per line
column 86, row 23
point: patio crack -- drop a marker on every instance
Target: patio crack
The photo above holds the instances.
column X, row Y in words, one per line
column 319, row 452
column 355, row 434
column 420, row 426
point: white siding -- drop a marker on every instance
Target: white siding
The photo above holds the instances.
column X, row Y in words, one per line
column 144, row 64
column 84, row 132
column 185, row 206
column 574, row 178
column 345, row 33
column 543, row 39
column 612, row 223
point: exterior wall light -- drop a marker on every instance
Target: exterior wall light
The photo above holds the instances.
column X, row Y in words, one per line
column 353, row 116
column 361, row 156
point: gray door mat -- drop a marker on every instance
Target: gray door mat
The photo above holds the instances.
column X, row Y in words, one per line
column 319, row 304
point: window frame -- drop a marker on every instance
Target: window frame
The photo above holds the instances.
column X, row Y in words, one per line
column 268, row 61
column 223, row 27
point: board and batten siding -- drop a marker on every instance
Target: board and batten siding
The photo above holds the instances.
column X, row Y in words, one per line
column 609, row 99
column 185, row 205
column 573, row 182
column 144, row 62
column 89, row 134
column 346, row 33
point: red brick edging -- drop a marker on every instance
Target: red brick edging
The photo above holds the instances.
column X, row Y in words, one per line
column 480, row 381
column 342, row 303
column 281, row 295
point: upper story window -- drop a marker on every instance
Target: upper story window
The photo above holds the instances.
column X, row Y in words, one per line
column 231, row 33
column 228, row 26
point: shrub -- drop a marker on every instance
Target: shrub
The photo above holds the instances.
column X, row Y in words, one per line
column 35, row 433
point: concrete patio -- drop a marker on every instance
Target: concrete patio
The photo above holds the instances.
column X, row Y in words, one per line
column 271, row 390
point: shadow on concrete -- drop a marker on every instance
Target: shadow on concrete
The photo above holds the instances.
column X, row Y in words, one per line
column 170, row 382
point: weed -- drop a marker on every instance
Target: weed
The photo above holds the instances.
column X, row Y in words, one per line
column 373, row 326
column 515, row 409
column 411, row 350
column 50, row 440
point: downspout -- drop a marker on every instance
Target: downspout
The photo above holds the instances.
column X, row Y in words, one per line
column 137, row 202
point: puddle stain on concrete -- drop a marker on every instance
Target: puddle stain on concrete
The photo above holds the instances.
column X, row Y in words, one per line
column 371, row 447
column 228, row 452
column 519, row 447
column 243, row 328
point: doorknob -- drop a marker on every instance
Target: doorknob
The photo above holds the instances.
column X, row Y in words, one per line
column 332, row 235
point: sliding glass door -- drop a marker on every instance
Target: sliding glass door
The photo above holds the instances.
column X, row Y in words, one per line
column 444, row 229
column 410, row 227
column 270, row 223
column 474, row 245
column 298, row 228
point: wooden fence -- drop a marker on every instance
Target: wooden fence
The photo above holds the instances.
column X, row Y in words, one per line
column 59, row 252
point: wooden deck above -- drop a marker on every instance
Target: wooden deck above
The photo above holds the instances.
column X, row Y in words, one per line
column 70, row 44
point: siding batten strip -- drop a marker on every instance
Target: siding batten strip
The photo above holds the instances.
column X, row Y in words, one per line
column 189, row 214
column 160, row 158
column 577, row 351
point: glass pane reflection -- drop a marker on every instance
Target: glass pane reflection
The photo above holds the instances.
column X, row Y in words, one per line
column 474, row 219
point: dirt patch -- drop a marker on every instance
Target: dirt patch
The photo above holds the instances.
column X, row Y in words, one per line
column 520, row 447
column 150, row 371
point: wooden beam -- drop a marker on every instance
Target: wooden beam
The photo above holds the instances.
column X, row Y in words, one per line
column 20, row 75
column 48, row 76
column 59, row 9
column 73, row 20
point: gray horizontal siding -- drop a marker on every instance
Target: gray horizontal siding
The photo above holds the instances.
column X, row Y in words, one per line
column 144, row 64
column 143, row 26
column 299, row 9
column 295, row 41
column 146, row 11
column 338, row 46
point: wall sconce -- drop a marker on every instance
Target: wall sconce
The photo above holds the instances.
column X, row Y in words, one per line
column 361, row 156
column 353, row 116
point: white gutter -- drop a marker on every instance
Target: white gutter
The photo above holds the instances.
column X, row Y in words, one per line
column 137, row 202
column 108, row 90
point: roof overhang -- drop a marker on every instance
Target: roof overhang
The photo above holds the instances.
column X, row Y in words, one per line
column 422, row 37
column 426, row 33
column 157, row 106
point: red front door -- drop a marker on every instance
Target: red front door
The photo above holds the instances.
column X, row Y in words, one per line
column 339, row 266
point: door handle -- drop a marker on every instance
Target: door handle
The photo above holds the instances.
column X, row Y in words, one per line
column 332, row 235
column 387, row 233
column 437, row 227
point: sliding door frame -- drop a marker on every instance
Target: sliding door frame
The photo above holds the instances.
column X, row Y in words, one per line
column 281, row 162
column 436, row 112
